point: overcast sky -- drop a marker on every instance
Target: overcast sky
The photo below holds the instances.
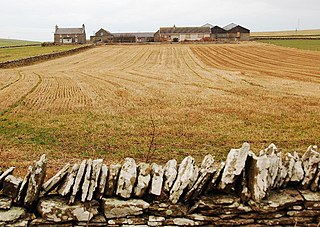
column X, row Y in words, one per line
column 35, row 19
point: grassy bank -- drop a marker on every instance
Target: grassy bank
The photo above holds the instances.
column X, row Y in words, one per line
column 8, row 54
column 299, row 44
column 14, row 42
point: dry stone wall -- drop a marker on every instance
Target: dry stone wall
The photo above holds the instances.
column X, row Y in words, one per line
column 245, row 190
column 40, row 58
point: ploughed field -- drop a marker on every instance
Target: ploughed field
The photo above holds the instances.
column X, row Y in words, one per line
column 157, row 102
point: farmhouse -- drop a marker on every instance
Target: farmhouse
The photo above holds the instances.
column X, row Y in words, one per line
column 178, row 34
column 237, row 32
column 70, row 35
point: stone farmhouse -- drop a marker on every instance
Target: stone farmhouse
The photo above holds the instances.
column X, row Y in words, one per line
column 70, row 35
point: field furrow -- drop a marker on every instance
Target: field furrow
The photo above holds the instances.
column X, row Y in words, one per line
column 202, row 99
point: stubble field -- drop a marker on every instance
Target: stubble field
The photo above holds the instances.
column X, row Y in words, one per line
column 111, row 102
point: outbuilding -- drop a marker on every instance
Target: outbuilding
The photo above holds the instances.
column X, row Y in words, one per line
column 180, row 34
column 103, row 36
column 237, row 32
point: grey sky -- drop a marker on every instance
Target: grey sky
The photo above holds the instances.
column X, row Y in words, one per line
column 35, row 19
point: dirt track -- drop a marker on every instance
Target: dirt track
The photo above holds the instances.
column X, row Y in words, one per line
column 188, row 89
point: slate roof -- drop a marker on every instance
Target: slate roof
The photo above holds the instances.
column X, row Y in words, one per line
column 230, row 26
column 184, row 30
column 105, row 32
column 69, row 31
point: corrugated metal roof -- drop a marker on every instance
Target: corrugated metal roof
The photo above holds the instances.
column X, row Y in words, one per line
column 185, row 30
column 230, row 26
column 207, row 25
column 135, row 34
column 69, row 31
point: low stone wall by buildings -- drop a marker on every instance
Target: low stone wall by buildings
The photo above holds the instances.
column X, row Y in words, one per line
column 245, row 190
column 43, row 57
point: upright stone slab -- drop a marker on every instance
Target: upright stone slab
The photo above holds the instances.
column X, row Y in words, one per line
column 23, row 188
column 96, row 168
column 102, row 181
column 111, row 185
column 275, row 162
column 194, row 177
column 11, row 185
column 288, row 166
column 185, row 174
column 297, row 170
column 310, row 161
column 77, row 181
column 53, row 182
column 170, row 174
column 56, row 209
column 86, row 181
column 35, row 182
column 235, row 164
column 5, row 174
column 127, row 178
column 213, row 184
column 258, row 183
column 206, row 172
column 114, row 208
column 143, row 180
column 157, row 179
column 66, row 186
column 315, row 184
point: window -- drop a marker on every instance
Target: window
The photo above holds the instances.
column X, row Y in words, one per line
column 101, row 33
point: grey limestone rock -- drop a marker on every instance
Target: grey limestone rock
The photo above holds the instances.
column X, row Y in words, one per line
column 235, row 164
column 288, row 165
column 12, row 215
column 297, row 170
column 315, row 184
column 114, row 208
column 277, row 200
column 111, row 185
column 213, row 184
column 207, row 169
column 11, row 186
column 36, row 180
column 4, row 174
column 310, row 161
column 23, row 187
column 156, row 180
column 143, row 180
column 5, row 202
column 86, row 181
column 96, row 169
column 77, row 181
column 56, row 209
column 66, row 186
column 102, row 181
column 55, row 180
column 258, row 183
column 127, row 178
column 170, row 174
column 184, row 177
